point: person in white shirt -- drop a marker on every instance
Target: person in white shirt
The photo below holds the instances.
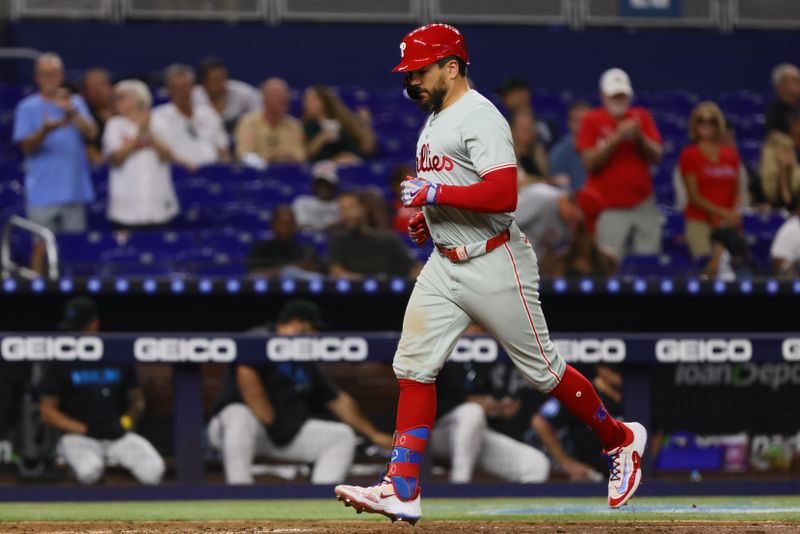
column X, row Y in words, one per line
column 140, row 191
column 229, row 98
column 194, row 133
column 785, row 250
column 319, row 211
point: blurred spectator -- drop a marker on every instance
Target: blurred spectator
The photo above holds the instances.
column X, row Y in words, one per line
column 531, row 154
column 358, row 250
column 98, row 94
column 97, row 406
column 517, row 99
column 462, row 434
column 730, row 255
column 569, row 442
column 332, row 131
column 193, row 132
column 401, row 214
column 583, row 258
column 267, row 411
column 780, row 173
column 618, row 144
column 785, row 250
column 231, row 99
column 566, row 166
column 50, row 127
column 786, row 81
column 140, row 191
column 270, row 135
column 319, row 211
column 710, row 171
column 547, row 216
column 284, row 254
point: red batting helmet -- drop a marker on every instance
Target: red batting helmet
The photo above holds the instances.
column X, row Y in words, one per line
column 429, row 44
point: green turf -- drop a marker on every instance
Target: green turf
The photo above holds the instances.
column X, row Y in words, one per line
column 644, row 509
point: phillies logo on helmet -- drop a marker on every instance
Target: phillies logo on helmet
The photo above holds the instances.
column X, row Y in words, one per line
column 433, row 162
column 428, row 44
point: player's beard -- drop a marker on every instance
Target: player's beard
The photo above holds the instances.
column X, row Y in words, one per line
column 435, row 99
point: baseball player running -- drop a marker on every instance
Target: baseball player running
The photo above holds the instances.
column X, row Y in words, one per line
column 485, row 270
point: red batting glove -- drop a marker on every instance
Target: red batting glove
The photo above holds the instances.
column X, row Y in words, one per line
column 418, row 229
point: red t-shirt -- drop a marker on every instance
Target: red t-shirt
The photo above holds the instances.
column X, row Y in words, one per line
column 624, row 181
column 717, row 181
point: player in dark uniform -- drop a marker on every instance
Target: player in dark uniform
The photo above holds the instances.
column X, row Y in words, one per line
column 97, row 405
column 267, row 410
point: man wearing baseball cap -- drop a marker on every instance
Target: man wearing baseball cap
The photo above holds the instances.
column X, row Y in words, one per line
column 96, row 406
column 618, row 144
column 320, row 210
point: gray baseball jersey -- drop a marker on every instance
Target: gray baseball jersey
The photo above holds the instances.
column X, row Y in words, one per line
column 458, row 146
column 498, row 289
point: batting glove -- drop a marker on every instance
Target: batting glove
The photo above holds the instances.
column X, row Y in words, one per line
column 418, row 229
column 417, row 192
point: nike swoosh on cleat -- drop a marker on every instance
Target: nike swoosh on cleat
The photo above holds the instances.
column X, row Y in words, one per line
column 623, row 487
column 384, row 496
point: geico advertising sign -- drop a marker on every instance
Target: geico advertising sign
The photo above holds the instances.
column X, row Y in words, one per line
column 476, row 349
column 51, row 348
column 591, row 350
column 314, row 349
column 191, row 349
column 791, row 349
column 704, row 350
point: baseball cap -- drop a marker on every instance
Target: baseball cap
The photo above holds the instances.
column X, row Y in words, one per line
column 78, row 312
column 325, row 170
column 614, row 82
column 511, row 84
column 301, row 309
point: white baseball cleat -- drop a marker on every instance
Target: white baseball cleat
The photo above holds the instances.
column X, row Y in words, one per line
column 624, row 463
column 380, row 499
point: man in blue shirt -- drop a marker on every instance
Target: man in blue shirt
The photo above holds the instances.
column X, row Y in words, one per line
column 50, row 127
column 566, row 166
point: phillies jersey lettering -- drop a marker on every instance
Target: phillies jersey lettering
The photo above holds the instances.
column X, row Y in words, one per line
column 456, row 147
column 435, row 162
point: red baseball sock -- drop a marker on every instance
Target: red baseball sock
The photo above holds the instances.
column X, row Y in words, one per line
column 416, row 413
column 416, row 406
column 577, row 394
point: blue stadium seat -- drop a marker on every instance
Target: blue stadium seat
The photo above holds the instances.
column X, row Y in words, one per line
column 131, row 261
column 202, row 260
column 170, row 242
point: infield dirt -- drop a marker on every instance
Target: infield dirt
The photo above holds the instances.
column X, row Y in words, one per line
column 371, row 527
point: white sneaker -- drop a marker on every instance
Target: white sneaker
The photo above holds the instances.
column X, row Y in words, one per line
column 624, row 463
column 380, row 499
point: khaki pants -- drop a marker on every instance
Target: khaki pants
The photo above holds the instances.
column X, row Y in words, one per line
column 635, row 230
column 698, row 238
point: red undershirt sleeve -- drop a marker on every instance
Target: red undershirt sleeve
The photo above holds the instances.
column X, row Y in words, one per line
column 496, row 193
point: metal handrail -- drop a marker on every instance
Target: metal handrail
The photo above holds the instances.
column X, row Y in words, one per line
column 43, row 233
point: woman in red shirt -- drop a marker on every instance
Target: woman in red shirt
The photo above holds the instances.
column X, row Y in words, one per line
column 710, row 170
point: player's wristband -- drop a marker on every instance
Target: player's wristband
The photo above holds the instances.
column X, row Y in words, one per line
column 126, row 422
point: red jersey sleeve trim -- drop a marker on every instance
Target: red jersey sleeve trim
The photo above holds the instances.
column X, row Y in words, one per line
column 496, row 193
column 498, row 167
